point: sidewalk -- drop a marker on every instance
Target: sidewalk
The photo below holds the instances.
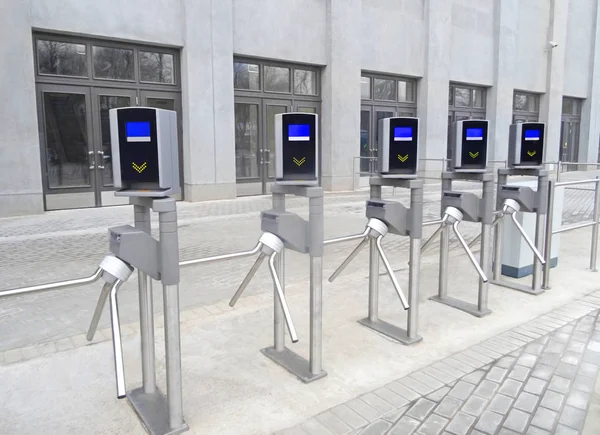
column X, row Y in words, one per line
column 229, row 387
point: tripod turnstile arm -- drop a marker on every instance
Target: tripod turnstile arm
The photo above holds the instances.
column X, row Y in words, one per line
column 468, row 252
column 350, row 257
column 98, row 311
column 281, row 298
column 53, row 286
column 117, row 344
column 435, row 234
column 527, row 239
column 247, row 279
column 222, row 257
column 391, row 273
column 494, row 223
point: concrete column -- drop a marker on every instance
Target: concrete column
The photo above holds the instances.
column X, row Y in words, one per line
column 20, row 171
column 340, row 123
column 432, row 106
column 500, row 95
column 590, row 115
column 208, row 109
column 551, row 101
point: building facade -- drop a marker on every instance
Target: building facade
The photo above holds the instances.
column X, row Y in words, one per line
column 228, row 66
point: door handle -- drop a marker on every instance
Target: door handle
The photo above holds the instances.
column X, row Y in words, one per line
column 101, row 165
column 91, row 161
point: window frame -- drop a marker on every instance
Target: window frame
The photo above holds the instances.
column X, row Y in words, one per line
column 292, row 67
column 398, row 105
column 472, row 88
column 90, row 80
column 139, row 54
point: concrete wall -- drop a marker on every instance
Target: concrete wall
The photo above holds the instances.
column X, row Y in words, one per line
column 153, row 21
column 499, row 44
column 20, row 171
column 293, row 30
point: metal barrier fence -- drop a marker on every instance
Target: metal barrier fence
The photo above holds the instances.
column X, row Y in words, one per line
column 595, row 223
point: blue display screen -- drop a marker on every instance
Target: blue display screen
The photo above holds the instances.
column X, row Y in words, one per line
column 298, row 132
column 137, row 131
column 474, row 133
column 532, row 134
column 403, row 134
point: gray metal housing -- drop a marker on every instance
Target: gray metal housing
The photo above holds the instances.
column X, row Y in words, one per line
column 383, row 140
column 515, row 144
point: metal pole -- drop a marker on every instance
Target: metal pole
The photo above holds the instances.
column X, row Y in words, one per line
column 413, row 287
column 594, row 253
column 316, row 314
column 375, row 193
column 316, row 231
column 537, row 254
column 247, row 279
column 548, row 235
column 169, row 258
column 143, row 222
column 484, row 260
column 278, row 315
column 499, row 231
column 444, row 248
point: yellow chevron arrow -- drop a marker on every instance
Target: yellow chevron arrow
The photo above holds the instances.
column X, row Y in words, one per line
column 473, row 155
column 531, row 153
column 402, row 158
column 139, row 168
column 299, row 162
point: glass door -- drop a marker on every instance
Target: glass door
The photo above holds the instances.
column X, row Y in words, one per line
column 248, row 154
column 267, row 150
column 569, row 141
column 104, row 99
column 365, row 141
column 167, row 101
column 68, row 154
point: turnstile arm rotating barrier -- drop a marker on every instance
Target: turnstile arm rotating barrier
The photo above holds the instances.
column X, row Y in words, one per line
column 468, row 252
column 535, row 251
column 271, row 245
column 391, row 273
column 377, row 230
column 494, row 223
column 242, row 254
column 435, row 233
column 54, row 285
column 281, row 299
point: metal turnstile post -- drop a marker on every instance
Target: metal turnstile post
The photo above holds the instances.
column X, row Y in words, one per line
column 142, row 221
column 373, row 313
column 278, row 319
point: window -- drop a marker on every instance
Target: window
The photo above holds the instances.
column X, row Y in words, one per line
column 571, row 106
column 384, row 89
column 113, row 63
column 156, row 67
column 246, row 76
column 406, row 91
column 365, row 88
column 305, row 82
column 277, row 79
column 61, row 58
column 465, row 102
column 526, row 107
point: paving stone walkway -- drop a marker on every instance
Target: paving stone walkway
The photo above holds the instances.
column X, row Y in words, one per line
column 535, row 379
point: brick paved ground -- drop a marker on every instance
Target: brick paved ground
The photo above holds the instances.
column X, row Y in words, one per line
column 536, row 379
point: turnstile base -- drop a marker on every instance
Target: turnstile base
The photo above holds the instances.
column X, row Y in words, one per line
column 152, row 410
column 293, row 363
column 517, row 286
column 471, row 309
column 390, row 330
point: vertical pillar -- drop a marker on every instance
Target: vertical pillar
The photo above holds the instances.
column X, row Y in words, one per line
column 551, row 101
column 208, row 107
column 278, row 317
column 500, row 96
column 590, row 117
column 432, row 108
column 316, row 225
column 374, row 266
column 340, row 126
column 21, row 179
